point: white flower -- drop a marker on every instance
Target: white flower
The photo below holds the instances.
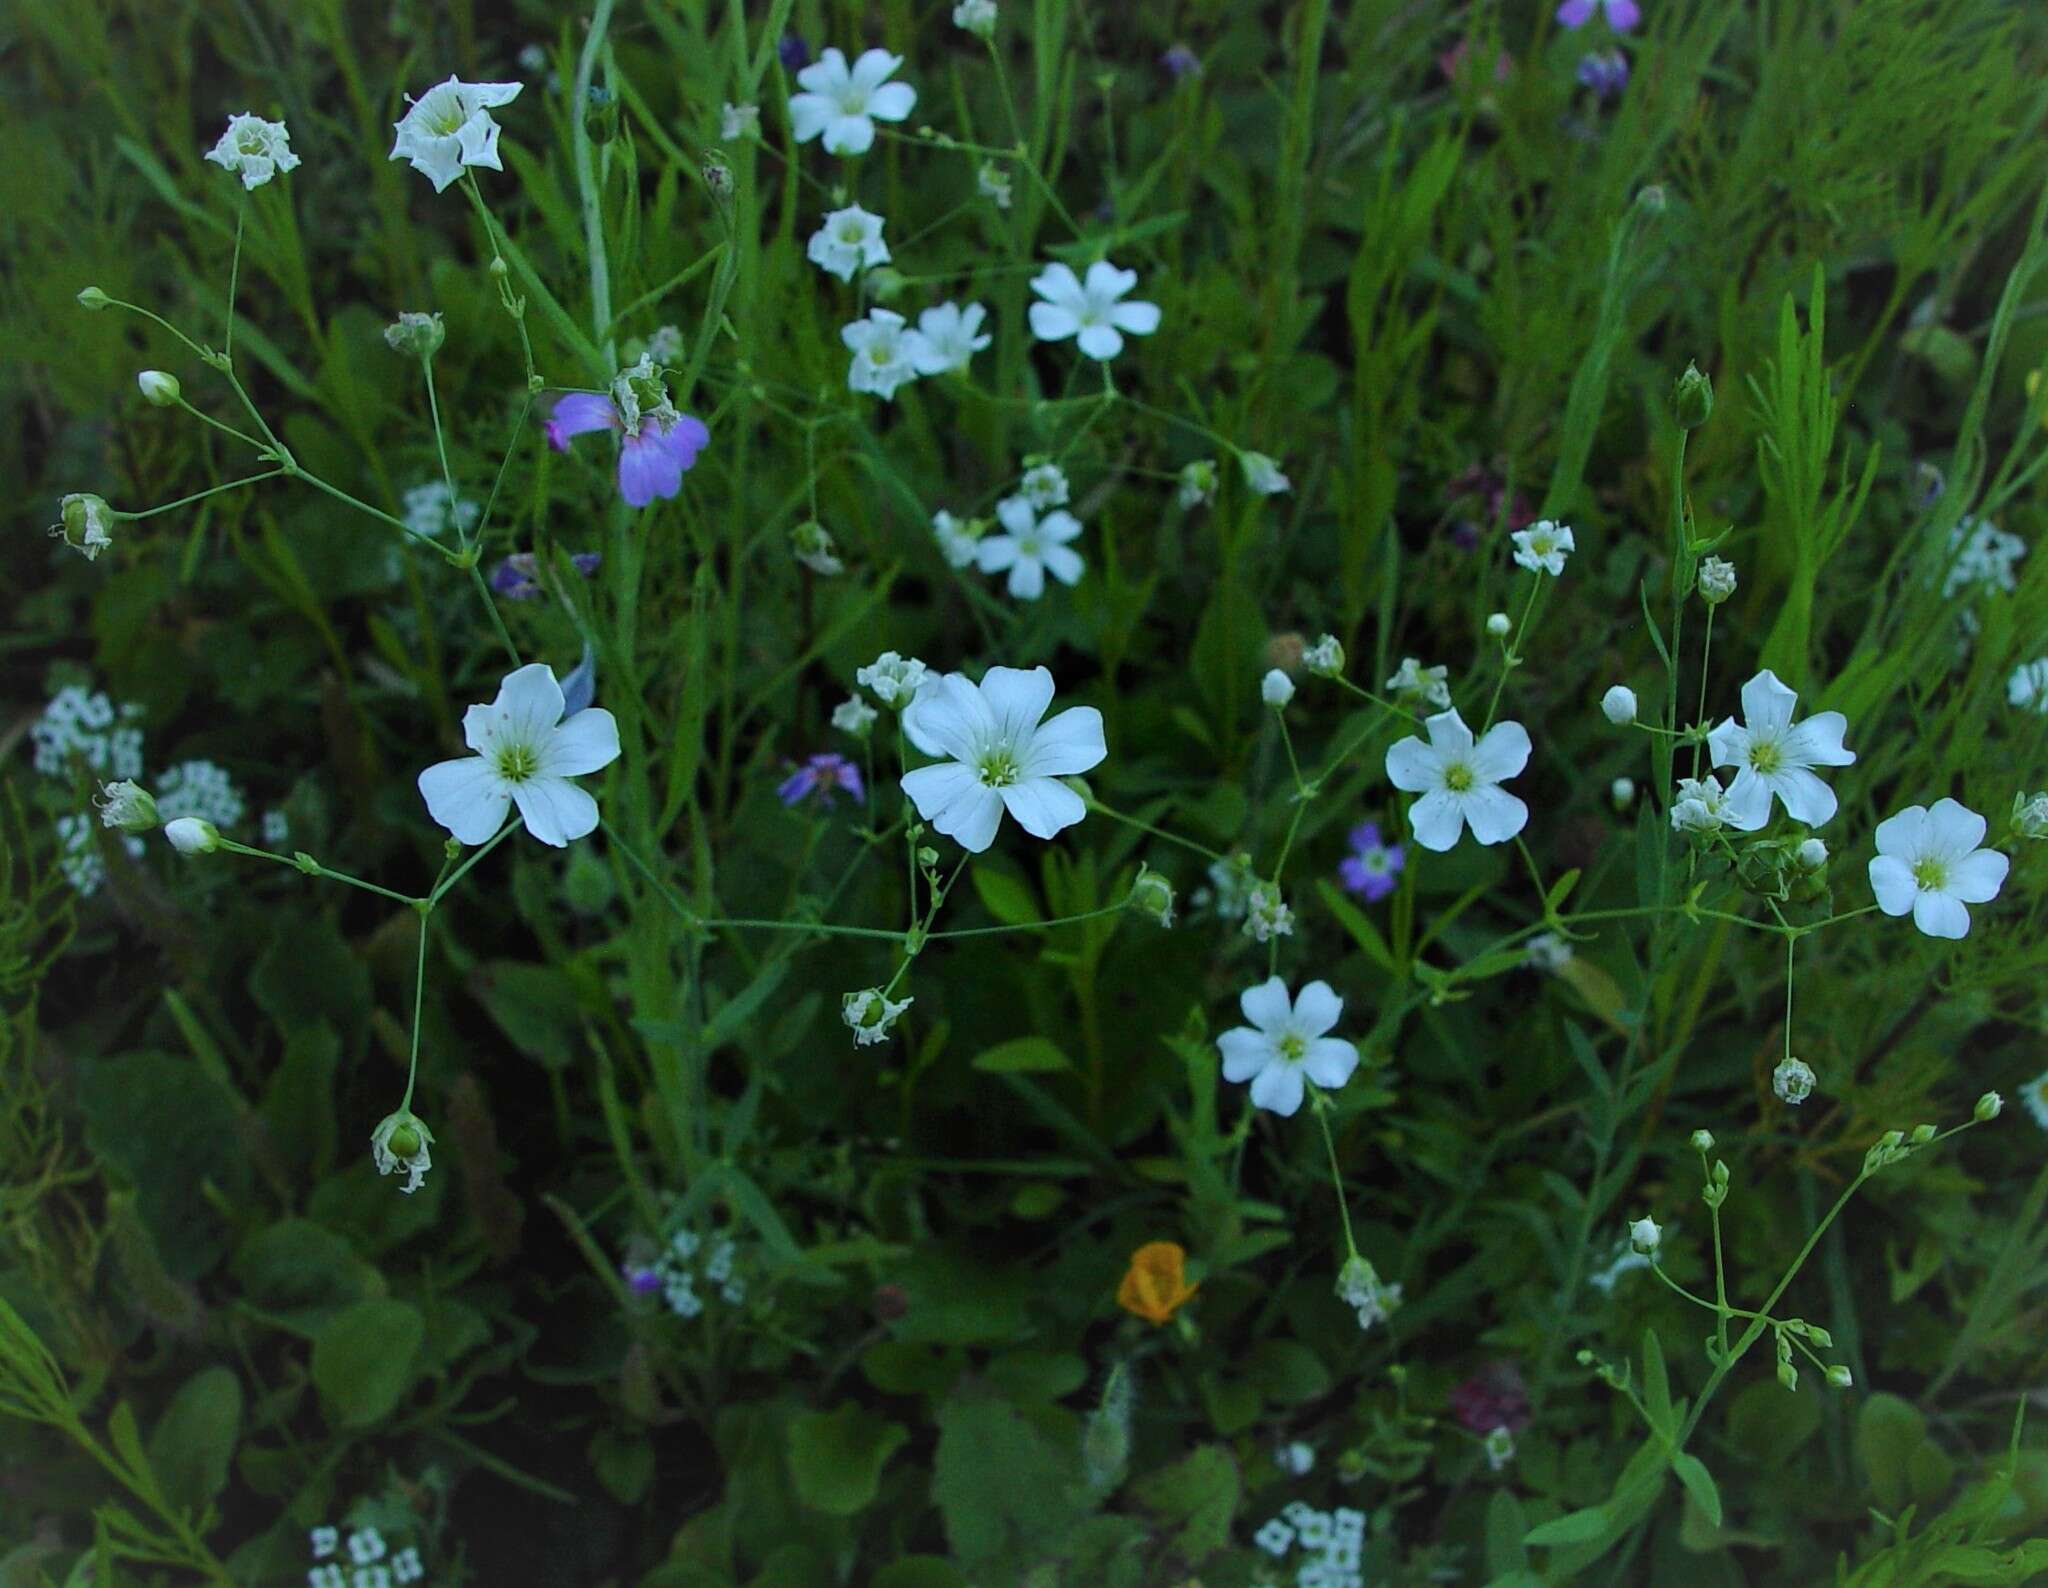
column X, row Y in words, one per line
column 1090, row 311
column 1430, row 684
column 992, row 182
column 449, row 127
column 406, row 1567
column 159, row 388
column 947, row 336
column 957, row 540
column 1619, row 705
column 2034, row 1098
column 1286, row 1043
column 525, row 755
column 400, row 1141
column 1929, row 862
column 976, row 16
column 1982, row 553
column 894, row 679
column 1276, row 688
column 847, row 241
column 1230, row 886
column 1031, row 548
column 855, row 716
column 1459, row 781
column 2030, row 814
column 1498, row 625
column 997, row 755
column 254, row 149
column 810, row 543
column 2028, row 685
column 192, row 835
column 1276, row 1538
column 1266, row 915
column 1499, row 1447
column 200, row 788
column 1262, row 474
column 366, row 1544
column 1325, row 658
column 1622, row 791
column 1793, row 1081
column 430, row 509
column 870, row 1013
column 881, row 351
column 1543, row 546
column 1547, row 951
column 325, row 1541
column 1701, row 805
column 1359, row 1287
column 1716, row 580
column 840, row 105
column 1644, row 1237
column 739, row 122
column 1297, row 1459
column 1197, row 483
column 1774, row 757
column 1044, row 485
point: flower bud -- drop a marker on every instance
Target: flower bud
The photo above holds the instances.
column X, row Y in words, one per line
column 1651, row 200
column 1989, row 1107
column 126, row 805
column 85, row 524
column 159, row 387
column 1703, row 1141
column 1498, row 625
column 600, row 114
column 977, row 17
column 2030, row 815
column 1276, row 689
column 1840, row 1377
column 92, row 298
column 1716, row 580
column 1922, row 1135
column 192, row 835
column 1325, row 658
column 718, row 178
column 418, row 335
column 1692, row 398
column 498, row 268
column 1793, row 1081
column 1811, row 854
column 811, row 545
column 1788, row 1375
column 1619, row 705
column 1622, row 791
column 1152, row 895
column 1645, row 1237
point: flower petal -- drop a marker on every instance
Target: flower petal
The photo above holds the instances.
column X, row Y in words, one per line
column 809, row 114
column 466, row 796
column 1502, row 752
column 1137, row 317
column 1316, row 1009
column 1892, row 881
column 1043, row 806
column 1058, row 284
column 584, row 743
column 1413, row 765
column 1069, row 744
column 1330, row 1061
column 849, row 135
column 1063, row 563
column 1278, row 1087
column 1267, row 1005
column 1976, row 878
column 1027, row 579
column 892, row 101
column 1100, row 341
column 555, row 810
column 949, row 717
column 646, row 471
column 1437, row 819
column 1018, row 697
column 933, row 788
column 995, row 553
column 1494, row 814
column 1747, row 804
column 1939, row 915
column 581, row 411
column 529, row 703
column 1904, row 835
column 828, row 74
column 1053, row 322
column 1807, row 799
column 871, row 68
column 1728, row 742
column 1448, row 734
column 1818, row 740
column 1245, row 1052
column 1953, row 829
column 1767, row 704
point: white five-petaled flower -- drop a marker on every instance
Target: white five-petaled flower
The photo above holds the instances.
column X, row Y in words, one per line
column 1701, row 805
column 1773, row 756
column 525, row 755
column 2028, row 686
column 1431, row 684
column 737, row 122
column 854, row 716
column 1543, row 546
column 881, row 349
column 1031, row 547
column 947, row 336
column 1044, row 485
column 840, row 104
column 1459, row 780
column 894, row 679
column 1287, row 1043
column 956, row 539
column 1263, row 474
column 1090, row 311
column 1929, row 863
column 846, row 241
column 449, row 127
column 254, row 149
column 998, row 755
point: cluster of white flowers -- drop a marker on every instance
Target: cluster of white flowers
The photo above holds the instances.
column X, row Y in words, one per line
column 430, row 510
column 201, row 789
column 689, row 1270
column 370, row 1562
column 1334, row 1539
column 1980, row 553
column 83, row 728
column 78, row 855
column 888, row 352
column 1547, row 951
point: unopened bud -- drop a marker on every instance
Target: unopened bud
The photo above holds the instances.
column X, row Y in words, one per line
column 93, row 298
column 1922, row 1135
column 1703, row 1141
column 718, row 178
column 1788, row 1375
column 1692, row 398
column 1840, row 1377
column 192, row 835
column 600, row 114
column 418, row 335
column 159, row 387
column 1989, row 1106
column 1812, row 854
column 1716, row 580
column 1152, row 895
column 1498, row 625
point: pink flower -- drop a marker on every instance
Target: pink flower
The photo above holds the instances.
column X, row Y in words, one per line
column 653, row 455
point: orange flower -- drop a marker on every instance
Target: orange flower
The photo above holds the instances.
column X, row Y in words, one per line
column 1155, row 1285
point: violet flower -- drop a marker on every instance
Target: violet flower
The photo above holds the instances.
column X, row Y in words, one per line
column 792, row 51
column 820, row 775
column 1621, row 14
column 1372, row 867
column 517, row 577
column 1605, row 72
column 657, row 445
column 1181, row 63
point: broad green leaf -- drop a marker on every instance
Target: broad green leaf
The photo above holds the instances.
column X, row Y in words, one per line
column 196, row 1437
column 1699, row 1483
column 363, row 1359
column 836, row 1457
column 1022, row 1055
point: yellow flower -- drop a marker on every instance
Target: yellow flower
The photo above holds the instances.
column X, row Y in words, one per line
column 1155, row 1286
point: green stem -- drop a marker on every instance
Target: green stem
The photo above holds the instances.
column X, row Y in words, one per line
column 200, row 496
column 234, row 274
column 447, row 882
column 1322, row 1113
column 586, row 179
column 312, row 868
column 240, row 435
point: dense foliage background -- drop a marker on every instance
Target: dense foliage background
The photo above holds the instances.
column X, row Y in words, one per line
column 1403, row 249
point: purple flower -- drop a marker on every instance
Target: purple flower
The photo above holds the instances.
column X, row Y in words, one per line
column 793, row 52
column 641, row 1281
column 1371, row 869
column 820, row 775
column 1605, row 72
column 653, row 456
column 1621, row 14
column 1181, row 63
column 515, row 578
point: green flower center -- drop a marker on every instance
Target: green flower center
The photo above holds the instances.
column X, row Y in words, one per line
column 1930, row 873
column 1293, row 1047
column 850, row 232
column 1765, row 758
column 1458, row 778
column 999, row 769
column 517, row 762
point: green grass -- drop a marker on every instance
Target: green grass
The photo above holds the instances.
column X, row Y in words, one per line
column 221, row 1328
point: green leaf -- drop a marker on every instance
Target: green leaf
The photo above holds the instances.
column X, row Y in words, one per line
column 1008, row 898
column 196, row 1437
column 1001, row 1485
column 918, row 1571
column 624, row 1463
column 1506, row 1526
column 1287, row 1371
column 1198, row 1496
column 836, row 1457
column 1889, row 1432
column 363, row 1359
column 1656, row 1386
column 1022, row 1055
column 1699, row 1483
column 1574, row 1527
